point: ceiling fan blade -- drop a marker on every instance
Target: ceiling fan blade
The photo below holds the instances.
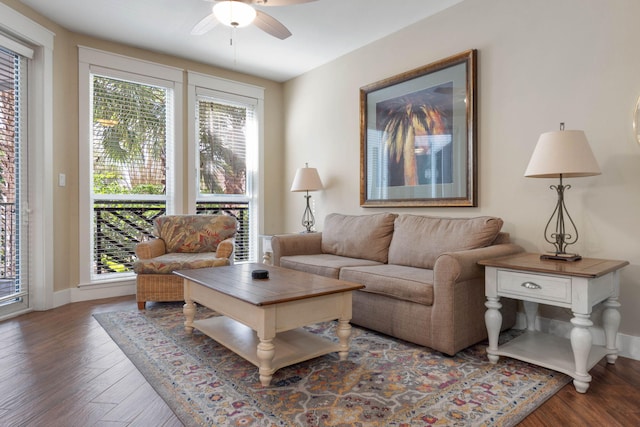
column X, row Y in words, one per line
column 279, row 2
column 271, row 25
column 205, row 25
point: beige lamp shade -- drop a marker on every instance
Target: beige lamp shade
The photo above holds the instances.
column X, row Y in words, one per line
column 306, row 179
column 563, row 153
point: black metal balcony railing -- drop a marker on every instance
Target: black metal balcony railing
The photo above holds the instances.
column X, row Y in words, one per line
column 120, row 225
column 8, row 262
column 7, row 241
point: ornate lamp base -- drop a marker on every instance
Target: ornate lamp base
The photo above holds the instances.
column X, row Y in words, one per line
column 308, row 219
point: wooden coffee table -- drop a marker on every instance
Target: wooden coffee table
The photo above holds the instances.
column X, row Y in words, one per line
column 263, row 318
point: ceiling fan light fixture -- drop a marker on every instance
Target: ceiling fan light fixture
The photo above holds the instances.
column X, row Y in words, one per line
column 234, row 13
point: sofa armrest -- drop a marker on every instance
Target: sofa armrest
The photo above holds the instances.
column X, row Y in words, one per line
column 463, row 265
column 226, row 248
column 295, row 244
column 457, row 317
column 150, row 249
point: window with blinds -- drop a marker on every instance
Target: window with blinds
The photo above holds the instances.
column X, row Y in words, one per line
column 223, row 147
column 130, row 120
column 129, row 175
column 13, row 182
column 226, row 134
column 129, row 137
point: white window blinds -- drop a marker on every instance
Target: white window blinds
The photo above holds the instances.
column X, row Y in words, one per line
column 13, row 181
column 227, row 145
column 225, row 128
column 130, row 129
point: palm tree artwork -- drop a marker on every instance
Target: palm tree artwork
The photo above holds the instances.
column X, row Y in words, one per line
column 405, row 118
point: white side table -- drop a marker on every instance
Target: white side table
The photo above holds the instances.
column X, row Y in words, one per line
column 578, row 285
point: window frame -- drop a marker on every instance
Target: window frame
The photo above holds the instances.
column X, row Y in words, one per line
column 93, row 61
column 232, row 91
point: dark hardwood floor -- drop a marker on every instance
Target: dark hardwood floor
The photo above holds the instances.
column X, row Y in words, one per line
column 60, row 368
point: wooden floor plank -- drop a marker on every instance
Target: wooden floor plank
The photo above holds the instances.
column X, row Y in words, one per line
column 60, row 368
column 156, row 414
column 130, row 409
column 122, row 389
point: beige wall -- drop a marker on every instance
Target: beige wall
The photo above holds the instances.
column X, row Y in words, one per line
column 540, row 63
column 65, row 138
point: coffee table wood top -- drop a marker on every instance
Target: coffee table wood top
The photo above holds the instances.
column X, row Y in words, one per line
column 283, row 284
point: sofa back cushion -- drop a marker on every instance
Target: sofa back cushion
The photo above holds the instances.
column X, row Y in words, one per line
column 419, row 240
column 358, row 236
column 194, row 233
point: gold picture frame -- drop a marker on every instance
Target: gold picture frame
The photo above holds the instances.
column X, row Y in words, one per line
column 418, row 136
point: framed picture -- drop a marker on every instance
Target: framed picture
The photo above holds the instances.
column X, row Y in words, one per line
column 418, row 136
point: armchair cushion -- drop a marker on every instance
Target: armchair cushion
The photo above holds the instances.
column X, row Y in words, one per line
column 194, row 233
column 166, row 264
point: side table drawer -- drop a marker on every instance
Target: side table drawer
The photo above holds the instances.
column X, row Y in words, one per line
column 534, row 286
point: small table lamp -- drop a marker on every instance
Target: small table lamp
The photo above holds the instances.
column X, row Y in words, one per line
column 562, row 154
column 307, row 179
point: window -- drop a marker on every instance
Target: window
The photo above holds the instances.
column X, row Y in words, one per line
column 129, row 156
column 225, row 143
column 130, row 146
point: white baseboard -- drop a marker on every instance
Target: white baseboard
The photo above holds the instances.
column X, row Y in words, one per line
column 628, row 345
column 93, row 292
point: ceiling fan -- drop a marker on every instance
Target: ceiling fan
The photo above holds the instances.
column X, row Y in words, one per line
column 240, row 13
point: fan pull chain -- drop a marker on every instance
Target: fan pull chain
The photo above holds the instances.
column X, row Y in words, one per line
column 235, row 46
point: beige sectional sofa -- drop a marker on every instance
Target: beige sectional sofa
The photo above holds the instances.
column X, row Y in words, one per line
column 422, row 281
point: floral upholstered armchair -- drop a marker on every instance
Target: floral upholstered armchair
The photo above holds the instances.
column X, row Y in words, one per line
column 181, row 242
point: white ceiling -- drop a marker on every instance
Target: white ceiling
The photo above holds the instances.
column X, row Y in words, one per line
column 322, row 30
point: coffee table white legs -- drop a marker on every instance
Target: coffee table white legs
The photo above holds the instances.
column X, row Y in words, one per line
column 344, row 333
column 493, row 321
column 266, row 351
column 189, row 310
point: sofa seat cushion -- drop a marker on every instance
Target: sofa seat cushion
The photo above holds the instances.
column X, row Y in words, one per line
column 358, row 236
column 322, row 264
column 166, row 264
column 395, row 281
column 419, row 240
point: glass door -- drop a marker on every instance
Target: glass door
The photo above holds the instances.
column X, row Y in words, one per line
column 14, row 291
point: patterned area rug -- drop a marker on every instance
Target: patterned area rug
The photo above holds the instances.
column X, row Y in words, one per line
column 385, row 382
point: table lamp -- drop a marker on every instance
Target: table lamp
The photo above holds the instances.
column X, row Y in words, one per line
column 307, row 179
column 562, row 154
